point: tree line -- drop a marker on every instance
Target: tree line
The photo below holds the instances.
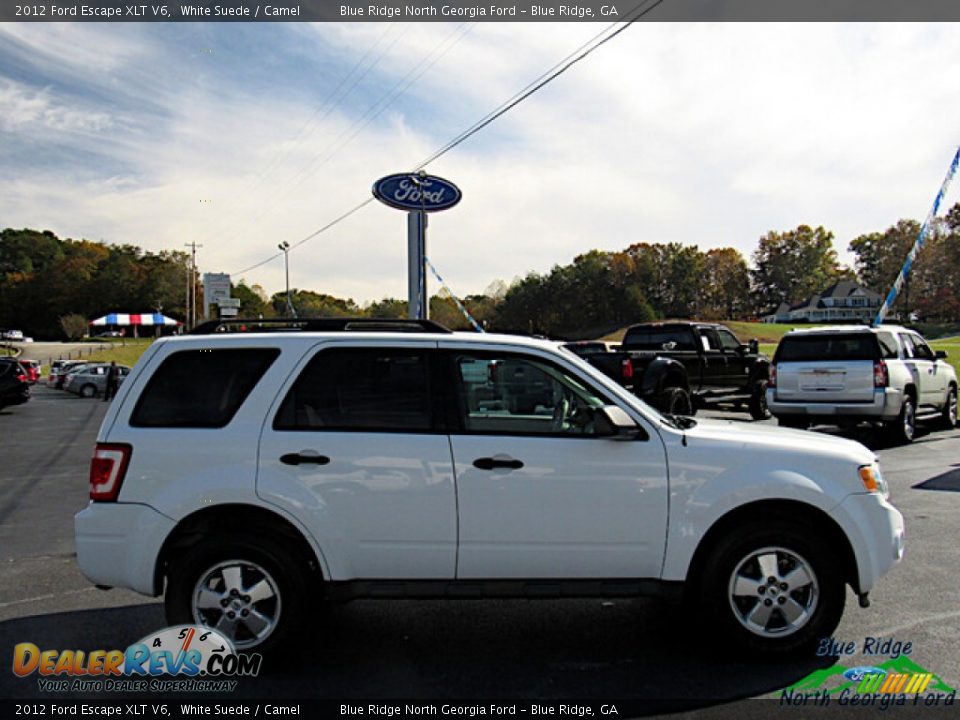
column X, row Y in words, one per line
column 44, row 278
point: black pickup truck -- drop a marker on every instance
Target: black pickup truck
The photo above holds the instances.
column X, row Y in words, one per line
column 679, row 367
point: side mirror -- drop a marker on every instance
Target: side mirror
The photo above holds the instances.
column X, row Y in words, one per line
column 754, row 346
column 613, row 422
column 940, row 354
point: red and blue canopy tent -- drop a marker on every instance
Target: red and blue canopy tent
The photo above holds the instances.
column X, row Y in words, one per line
column 135, row 320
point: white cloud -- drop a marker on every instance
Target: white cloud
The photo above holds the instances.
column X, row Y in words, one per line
column 706, row 134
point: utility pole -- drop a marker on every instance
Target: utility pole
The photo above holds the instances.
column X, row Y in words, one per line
column 285, row 248
column 191, row 318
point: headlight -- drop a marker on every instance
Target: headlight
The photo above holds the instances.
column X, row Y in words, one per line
column 873, row 481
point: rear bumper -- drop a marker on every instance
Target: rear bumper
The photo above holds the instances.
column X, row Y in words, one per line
column 885, row 405
column 876, row 532
column 118, row 544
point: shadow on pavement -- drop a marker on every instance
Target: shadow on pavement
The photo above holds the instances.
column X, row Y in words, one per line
column 547, row 649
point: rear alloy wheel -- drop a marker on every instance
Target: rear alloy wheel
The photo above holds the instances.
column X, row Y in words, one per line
column 676, row 401
column 88, row 391
column 948, row 419
column 758, row 401
column 904, row 427
column 773, row 588
column 253, row 592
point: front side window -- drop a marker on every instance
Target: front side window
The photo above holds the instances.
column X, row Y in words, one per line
column 515, row 395
column 729, row 341
column 921, row 350
column 370, row 389
column 201, row 388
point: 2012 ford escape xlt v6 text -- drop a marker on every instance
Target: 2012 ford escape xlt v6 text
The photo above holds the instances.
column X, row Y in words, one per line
column 253, row 476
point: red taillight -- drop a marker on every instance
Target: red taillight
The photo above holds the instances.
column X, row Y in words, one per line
column 881, row 378
column 772, row 381
column 21, row 377
column 626, row 369
column 107, row 469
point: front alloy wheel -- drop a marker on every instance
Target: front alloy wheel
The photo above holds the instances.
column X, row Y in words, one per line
column 772, row 587
column 773, row 592
column 949, row 417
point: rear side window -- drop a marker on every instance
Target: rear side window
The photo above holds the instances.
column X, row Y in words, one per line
column 370, row 389
column 855, row 346
column 888, row 346
column 201, row 388
column 659, row 339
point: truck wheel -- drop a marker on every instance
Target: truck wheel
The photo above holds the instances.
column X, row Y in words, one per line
column 676, row 401
column 758, row 401
column 253, row 591
column 948, row 419
column 902, row 429
column 773, row 588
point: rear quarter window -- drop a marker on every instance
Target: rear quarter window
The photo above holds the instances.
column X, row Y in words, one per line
column 855, row 346
column 201, row 388
column 659, row 339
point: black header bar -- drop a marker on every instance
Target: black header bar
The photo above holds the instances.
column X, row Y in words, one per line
column 476, row 10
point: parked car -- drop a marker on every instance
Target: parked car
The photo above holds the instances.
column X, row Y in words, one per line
column 91, row 380
column 58, row 372
column 71, row 371
column 13, row 335
column 842, row 375
column 678, row 367
column 14, row 386
column 251, row 477
column 33, row 370
column 30, row 368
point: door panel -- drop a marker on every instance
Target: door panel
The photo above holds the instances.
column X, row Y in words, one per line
column 366, row 462
column 540, row 493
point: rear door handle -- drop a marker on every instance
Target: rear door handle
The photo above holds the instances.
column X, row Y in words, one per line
column 304, row 459
column 493, row 463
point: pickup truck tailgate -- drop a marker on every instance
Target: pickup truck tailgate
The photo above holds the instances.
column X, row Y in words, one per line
column 825, row 381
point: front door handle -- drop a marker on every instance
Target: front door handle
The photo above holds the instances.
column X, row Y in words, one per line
column 304, row 459
column 492, row 463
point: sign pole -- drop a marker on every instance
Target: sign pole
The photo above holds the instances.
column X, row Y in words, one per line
column 416, row 277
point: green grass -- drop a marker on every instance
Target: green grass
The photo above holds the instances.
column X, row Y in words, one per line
column 124, row 354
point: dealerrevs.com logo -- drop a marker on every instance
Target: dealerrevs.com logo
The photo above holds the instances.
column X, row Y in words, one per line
column 186, row 658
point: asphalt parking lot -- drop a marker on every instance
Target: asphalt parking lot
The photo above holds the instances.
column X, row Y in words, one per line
column 639, row 649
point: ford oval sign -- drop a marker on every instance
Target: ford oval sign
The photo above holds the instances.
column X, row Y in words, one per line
column 410, row 191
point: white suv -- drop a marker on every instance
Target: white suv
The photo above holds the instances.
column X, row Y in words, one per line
column 247, row 475
column 844, row 374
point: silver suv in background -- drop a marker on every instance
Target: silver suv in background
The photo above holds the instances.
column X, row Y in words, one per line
column 845, row 374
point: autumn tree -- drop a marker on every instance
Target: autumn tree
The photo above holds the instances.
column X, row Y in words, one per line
column 792, row 265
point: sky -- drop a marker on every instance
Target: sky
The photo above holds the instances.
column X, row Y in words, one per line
column 240, row 136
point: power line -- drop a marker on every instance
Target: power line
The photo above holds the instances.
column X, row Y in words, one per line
column 553, row 73
column 372, row 113
column 537, row 84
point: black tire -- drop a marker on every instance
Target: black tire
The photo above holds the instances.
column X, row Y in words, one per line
column 287, row 576
column 948, row 418
column 675, row 401
column 758, row 401
column 792, row 545
column 903, row 429
column 88, row 391
column 794, row 423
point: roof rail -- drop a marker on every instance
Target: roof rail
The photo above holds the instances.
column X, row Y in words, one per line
column 258, row 325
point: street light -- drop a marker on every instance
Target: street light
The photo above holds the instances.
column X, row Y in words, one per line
column 285, row 248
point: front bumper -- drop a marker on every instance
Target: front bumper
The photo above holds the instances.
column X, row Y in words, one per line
column 118, row 544
column 885, row 405
column 876, row 532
